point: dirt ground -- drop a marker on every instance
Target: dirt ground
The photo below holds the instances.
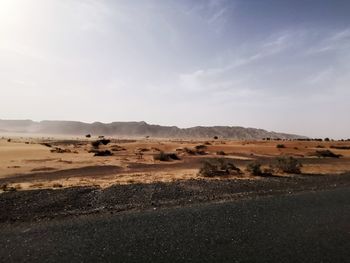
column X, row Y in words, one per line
column 47, row 162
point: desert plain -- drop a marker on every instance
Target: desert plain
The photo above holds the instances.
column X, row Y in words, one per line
column 50, row 176
column 47, row 162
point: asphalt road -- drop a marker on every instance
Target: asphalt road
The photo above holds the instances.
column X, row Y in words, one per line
column 306, row 227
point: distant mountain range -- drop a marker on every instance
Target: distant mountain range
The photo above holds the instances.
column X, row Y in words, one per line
column 138, row 129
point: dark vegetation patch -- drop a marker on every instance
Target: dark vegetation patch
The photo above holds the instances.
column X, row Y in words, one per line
column 327, row 154
column 97, row 143
column 200, row 147
column 220, row 153
column 280, row 146
column 198, row 150
column 287, row 165
column 254, row 168
column 165, row 157
column 7, row 188
column 190, row 151
column 218, row 167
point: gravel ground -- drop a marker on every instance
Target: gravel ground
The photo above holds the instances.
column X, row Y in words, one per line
column 39, row 205
column 304, row 227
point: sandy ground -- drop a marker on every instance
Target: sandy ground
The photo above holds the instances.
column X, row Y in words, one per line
column 26, row 163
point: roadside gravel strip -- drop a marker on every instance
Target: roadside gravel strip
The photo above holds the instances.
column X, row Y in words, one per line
column 39, row 205
column 303, row 227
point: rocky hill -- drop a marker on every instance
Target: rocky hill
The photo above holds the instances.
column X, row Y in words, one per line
column 137, row 129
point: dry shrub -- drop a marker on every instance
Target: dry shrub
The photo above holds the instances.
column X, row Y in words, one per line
column 165, row 157
column 218, row 167
column 288, row 165
column 97, row 143
column 254, row 168
column 327, row 153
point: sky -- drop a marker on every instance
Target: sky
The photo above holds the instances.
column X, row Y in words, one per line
column 274, row 64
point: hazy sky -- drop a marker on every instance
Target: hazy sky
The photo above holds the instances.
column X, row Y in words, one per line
column 272, row 64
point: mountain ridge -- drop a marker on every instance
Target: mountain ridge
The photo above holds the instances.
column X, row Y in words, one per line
column 139, row 129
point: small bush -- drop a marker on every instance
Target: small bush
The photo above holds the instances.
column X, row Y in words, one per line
column 165, row 157
column 215, row 137
column 189, row 151
column 173, row 156
column 200, row 152
column 327, row 153
column 220, row 153
column 288, row 165
column 218, row 167
column 200, row 147
column 88, row 135
column 268, row 172
column 7, row 188
column 194, row 151
column 95, row 144
column 254, row 168
column 105, row 141
column 280, row 146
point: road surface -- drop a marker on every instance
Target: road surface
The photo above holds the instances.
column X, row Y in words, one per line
column 305, row 227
